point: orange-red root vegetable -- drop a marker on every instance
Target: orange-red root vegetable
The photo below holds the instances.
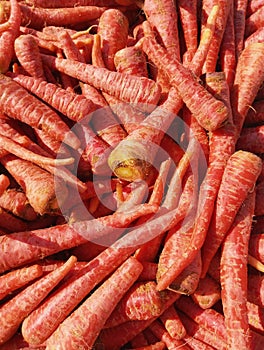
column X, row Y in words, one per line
column 16, row 202
column 255, row 317
column 255, row 293
column 208, row 292
column 240, row 10
column 17, row 103
column 254, row 21
column 113, row 30
column 28, row 55
column 256, row 37
column 149, row 271
column 157, row 346
column 244, row 91
column 10, row 222
column 259, row 207
column 14, row 311
column 131, row 60
column 16, row 279
column 82, row 327
column 255, row 114
column 233, row 266
column 4, row 183
column 256, row 246
column 172, row 323
column 125, row 87
column 32, row 180
column 8, row 36
column 251, row 139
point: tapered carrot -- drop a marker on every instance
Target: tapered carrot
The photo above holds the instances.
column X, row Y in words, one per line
column 82, row 327
column 8, row 36
column 74, row 106
column 14, row 311
column 4, row 183
column 235, row 267
column 244, row 90
column 16, row 279
column 254, row 21
column 27, row 53
column 16, row 202
column 17, row 103
column 125, row 87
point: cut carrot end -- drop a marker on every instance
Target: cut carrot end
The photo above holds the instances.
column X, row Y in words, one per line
column 255, row 263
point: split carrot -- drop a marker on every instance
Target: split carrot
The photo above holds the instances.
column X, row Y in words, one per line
column 4, row 183
column 235, row 267
column 244, row 89
column 18, row 278
column 254, row 21
column 17, row 103
column 81, row 331
column 28, row 55
column 8, row 36
column 19, row 307
column 16, row 202
column 125, row 87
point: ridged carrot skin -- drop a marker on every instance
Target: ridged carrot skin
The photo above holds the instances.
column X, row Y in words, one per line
column 19, row 104
column 71, row 3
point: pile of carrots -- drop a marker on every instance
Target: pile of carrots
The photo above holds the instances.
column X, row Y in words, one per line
column 131, row 174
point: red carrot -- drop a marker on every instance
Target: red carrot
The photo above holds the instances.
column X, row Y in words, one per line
column 131, row 60
column 172, row 323
column 254, row 21
column 240, row 9
column 16, row 202
column 256, row 246
column 125, row 87
column 16, row 279
column 71, row 3
column 244, row 89
column 157, row 346
column 10, row 222
column 17, row 103
column 255, row 317
column 233, row 265
column 256, row 37
column 251, row 139
column 255, row 289
column 4, row 183
column 14, row 311
column 28, row 55
column 255, row 114
column 8, row 36
column 75, row 107
column 208, row 292
column 82, row 327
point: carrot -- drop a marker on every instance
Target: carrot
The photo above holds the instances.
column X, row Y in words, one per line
column 30, row 110
column 10, row 222
column 124, row 87
column 72, row 335
column 189, row 88
column 244, row 91
column 71, row 3
column 28, row 175
column 240, row 10
column 255, row 317
column 139, row 341
column 28, row 55
column 141, row 302
column 16, row 279
column 131, row 60
column 251, row 139
column 4, row 183
column 157, row 346
column 253, row 6
column 236, row 245
column 113, row 30
column 255, row 289
column 8, row 36
column 14, row 311
column 74, row 106
column 256, row 246
column 172, row 323
column 254, row 21
column 255, row 114
column 16, row 202
column 256, row 37
column 208, row 292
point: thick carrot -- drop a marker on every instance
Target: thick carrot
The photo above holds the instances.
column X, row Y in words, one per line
column 4, row 183
column 16, row 202
column 28, row 55
column 125, row 87
column 233, row 265
column 254, row 21
column 172, row 323
column 28, row 176
column 256, row 37
column 74, row 106
column 131, row 60
column 14, row 311
column 17, row 103
column 82, row 327
column 8, row 36
column 244, row 89
column 208, row 292
column 16, row 279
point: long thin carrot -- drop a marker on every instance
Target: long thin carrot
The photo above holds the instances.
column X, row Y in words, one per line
column 71, row 3
column 240, row 10
column 14, row 311
column 8, row 36
column 17, row 103
column 125, row 87
column 83, row 333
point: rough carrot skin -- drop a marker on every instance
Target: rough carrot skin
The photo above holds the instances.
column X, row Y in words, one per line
column 256, row 37
column 9, row 35
column 71, row 3
column 74, row 106
column 256, row 246
column 17, row 103
column 82, row 327
column 254, row 21
column 208, row 292
column 15, row 279
column 125, row 87
column 210, row 113
column 131, row 60
column 113, row 29
column 14, row 311
column 28, row 54
column 172, row 323
column 233, row 266
column 4, row 183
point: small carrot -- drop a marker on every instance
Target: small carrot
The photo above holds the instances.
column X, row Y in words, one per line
column 125, row 87
column 4, row 183
column 17, row 103
column 28, row 55
column 8, row 36
column 81, row 331
column 19, row 307
column 16, row 279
